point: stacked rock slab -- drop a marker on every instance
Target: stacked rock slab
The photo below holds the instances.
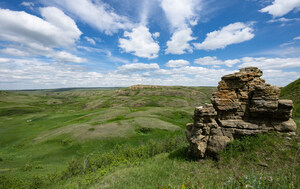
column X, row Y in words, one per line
column 243, row 105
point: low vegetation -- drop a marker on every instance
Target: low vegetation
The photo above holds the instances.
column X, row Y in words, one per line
column 128, row 138
column 292, row 91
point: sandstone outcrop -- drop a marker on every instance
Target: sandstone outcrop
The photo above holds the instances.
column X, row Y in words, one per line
column 243, row 105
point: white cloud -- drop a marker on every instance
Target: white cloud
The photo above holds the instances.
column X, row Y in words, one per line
column 179, row 42
column 97, row 50
column 57, row 30
column 27, row 4
column 232, row 34
column 281, row 7
column 4, row 60
column 181, row 13
column 29, row 35
column 177, row 63
column 297, row 38
column 279, row 77
column 156, row 35
column 14, row 52
column 290, row 42
column 37, row 74
column 35, row 49
column 63, row 56
column 270, row 63
column 138, row 67
column 90, row 40
column 284, row 20
column 95, row 13
column 213, row 61
column 140, row 43
column 68, row 31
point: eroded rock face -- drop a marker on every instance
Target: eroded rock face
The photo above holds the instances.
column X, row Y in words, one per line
column 243, row 105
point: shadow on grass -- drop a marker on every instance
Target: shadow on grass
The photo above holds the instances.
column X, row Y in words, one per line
column 182, row 154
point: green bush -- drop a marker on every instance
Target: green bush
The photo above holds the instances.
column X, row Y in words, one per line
column 36, row 182
column 27, row 167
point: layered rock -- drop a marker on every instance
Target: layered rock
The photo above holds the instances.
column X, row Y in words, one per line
column 243, row 105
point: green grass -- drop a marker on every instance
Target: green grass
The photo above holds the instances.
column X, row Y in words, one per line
column 128, row 138
column 292, row 91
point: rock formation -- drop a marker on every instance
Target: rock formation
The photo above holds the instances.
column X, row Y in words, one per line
column 243, row 105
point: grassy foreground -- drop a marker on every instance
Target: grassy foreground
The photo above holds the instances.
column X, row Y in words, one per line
column 128, row 138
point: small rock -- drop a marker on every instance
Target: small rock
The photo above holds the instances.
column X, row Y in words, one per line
column 263, row 164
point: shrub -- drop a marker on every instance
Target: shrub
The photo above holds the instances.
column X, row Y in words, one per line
column 27, row 167
column 65, row 142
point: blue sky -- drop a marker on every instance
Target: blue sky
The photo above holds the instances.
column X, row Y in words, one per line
column 108, row 43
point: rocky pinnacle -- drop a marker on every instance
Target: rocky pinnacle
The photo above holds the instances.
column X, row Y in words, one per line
column 243, row 105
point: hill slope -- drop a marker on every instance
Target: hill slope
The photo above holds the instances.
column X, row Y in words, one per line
column 292, row 91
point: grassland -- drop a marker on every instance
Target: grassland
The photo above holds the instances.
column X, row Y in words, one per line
column 292, row 91
column 127, row 138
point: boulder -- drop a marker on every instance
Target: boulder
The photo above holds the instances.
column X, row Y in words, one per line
column 243, row 105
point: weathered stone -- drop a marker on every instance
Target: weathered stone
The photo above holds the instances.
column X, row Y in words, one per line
column 243, row 105
column 285, row 126
column 216, row 144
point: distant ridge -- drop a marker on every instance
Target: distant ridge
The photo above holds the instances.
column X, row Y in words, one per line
column 69, row 89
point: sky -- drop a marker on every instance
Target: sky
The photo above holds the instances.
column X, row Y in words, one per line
column 117, row 43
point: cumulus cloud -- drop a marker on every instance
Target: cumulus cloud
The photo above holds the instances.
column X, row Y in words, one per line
column 57, row 30
column 179, row 42
column 281, row 7
column 181, row 13
column 138, row 67
column 28, row 35
column 177, row 63
column 232, row 34
column 270, row 63
column 213, row 61
column 140, row 43
column 95, row 13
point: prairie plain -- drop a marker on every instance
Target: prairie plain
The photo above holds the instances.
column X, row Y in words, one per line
column 128, row 138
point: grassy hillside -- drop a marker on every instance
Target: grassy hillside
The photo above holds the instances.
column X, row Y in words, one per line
column 127, row 138
column 292, row 91
column 41, row 131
